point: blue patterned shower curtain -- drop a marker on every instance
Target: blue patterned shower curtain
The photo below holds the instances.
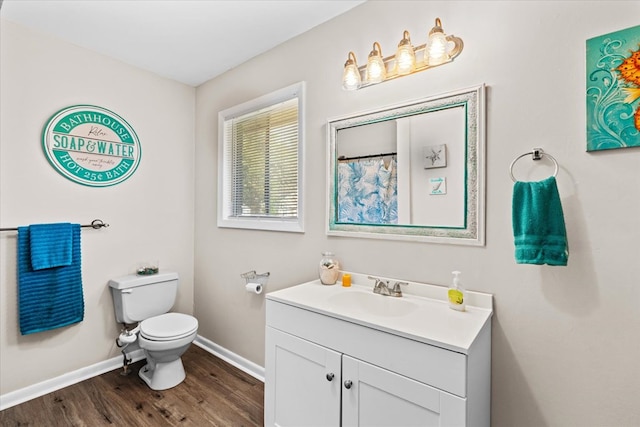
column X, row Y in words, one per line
column 368, row 192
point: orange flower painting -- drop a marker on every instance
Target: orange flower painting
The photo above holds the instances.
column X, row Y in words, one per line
column 630, row 72
column 613, row 90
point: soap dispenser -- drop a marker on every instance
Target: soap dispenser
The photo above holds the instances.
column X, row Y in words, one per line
column 456, row 293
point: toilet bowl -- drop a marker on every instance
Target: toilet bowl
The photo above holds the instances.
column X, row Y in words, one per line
column 164, row 340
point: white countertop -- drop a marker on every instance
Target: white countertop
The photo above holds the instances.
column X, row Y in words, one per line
column 421, row 314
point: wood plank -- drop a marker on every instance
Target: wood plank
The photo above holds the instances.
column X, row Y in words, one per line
column 214, row 393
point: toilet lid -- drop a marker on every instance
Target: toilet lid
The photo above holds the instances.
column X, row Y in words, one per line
column 168, row 326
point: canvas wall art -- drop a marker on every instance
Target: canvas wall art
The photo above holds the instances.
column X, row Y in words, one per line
column 613, row 90
column 434, row 156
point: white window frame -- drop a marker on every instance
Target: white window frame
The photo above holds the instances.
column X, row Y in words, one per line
column 274, row 224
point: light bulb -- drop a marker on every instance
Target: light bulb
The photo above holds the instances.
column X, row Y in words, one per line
column 376, row 70
column 405, row 56
column 436, row 49
column 351, row 75
column 350, row 78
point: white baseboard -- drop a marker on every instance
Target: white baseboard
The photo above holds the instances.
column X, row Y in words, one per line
column 256, row 371
column 40, row 389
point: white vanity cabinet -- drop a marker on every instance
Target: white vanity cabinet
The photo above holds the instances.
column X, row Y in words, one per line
column 330, row 365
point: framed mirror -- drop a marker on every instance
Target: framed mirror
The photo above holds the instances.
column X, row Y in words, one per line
column 414, row 171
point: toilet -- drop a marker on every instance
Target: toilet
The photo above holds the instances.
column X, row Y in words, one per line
column 164, row 336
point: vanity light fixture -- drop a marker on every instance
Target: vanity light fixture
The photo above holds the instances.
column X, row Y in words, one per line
column 439, row 49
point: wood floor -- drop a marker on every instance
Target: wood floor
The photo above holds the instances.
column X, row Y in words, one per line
column 213, row 394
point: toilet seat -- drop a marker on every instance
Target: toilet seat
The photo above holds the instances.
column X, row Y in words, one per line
column 168, row 327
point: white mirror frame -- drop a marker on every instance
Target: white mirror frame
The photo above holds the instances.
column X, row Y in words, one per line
column 473, row 231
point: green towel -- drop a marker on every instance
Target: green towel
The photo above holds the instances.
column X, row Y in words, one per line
column 538, row 223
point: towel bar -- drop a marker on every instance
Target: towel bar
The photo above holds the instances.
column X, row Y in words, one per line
column 96, row 223
column 536, row 154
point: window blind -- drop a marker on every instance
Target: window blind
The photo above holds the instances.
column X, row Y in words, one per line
column 261, row 153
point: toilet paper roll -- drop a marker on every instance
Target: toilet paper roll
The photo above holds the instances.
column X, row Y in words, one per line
column 256, row 288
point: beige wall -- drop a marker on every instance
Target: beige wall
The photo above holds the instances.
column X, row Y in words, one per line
column 151, row 213
column 565, row 339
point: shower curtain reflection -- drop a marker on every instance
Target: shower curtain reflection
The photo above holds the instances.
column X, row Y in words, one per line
column 368, row 191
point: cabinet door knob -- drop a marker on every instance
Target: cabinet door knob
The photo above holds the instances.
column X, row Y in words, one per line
column 330, row 376
column 348, row 384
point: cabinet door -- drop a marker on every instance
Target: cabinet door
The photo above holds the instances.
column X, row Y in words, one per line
column 302, row 382
column 372, row 396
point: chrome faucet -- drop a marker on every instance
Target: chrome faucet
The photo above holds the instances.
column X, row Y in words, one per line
column 396, row 291
column 382, row 287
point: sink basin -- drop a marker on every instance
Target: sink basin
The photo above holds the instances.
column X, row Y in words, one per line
column 371, row 303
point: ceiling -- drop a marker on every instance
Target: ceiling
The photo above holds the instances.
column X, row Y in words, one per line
column 190, row 41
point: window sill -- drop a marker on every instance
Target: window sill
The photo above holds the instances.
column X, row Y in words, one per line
column 292, row 226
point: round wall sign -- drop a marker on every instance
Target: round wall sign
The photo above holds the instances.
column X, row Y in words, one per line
column 91, row 145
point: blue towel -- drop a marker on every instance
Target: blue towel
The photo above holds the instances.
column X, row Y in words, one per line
column 538, row 223
column 52, row 297
column 50, row 245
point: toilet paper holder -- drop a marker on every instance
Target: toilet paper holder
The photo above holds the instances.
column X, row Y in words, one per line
column 253, row 277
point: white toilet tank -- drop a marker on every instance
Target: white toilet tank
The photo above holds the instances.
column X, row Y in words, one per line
column 137, row 298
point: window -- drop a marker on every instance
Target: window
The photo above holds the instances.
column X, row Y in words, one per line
column 260, row 162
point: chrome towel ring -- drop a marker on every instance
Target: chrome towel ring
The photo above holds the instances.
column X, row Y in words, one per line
column 536, row 154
